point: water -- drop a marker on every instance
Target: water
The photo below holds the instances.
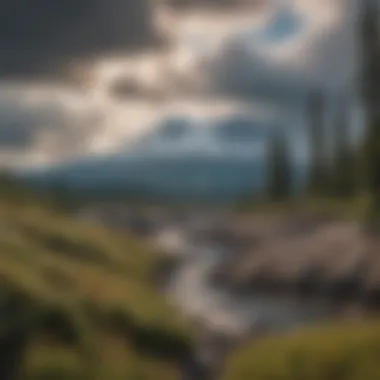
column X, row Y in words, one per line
column 189, row 286
column 215, row 307
column 218, row 308
column 223, row 317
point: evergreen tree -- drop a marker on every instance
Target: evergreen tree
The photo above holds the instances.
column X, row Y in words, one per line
column 279, row 185
column 318, row 182
column 371, row 91
column 343, row 165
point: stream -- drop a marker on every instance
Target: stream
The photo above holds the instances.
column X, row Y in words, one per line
column 223, row 318
column 65, row 124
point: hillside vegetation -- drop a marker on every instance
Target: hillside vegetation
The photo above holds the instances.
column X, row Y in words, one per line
column 349, row 351
column 78, row 302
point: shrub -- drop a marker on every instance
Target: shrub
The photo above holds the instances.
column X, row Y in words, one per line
column 350, row 351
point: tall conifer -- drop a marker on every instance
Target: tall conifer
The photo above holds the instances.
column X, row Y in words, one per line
column 279, row 185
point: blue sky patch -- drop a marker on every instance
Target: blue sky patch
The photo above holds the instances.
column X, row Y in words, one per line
column 284, row 25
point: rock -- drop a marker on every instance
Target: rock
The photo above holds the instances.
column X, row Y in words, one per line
column 307, row 255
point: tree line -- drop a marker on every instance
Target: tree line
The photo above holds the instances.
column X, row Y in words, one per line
column 348, row 170
column 332, row 168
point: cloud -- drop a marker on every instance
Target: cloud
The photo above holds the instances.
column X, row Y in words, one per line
column 215, row 57
column 41, row 34
column 218, row 4
column 297, row 47
column 39, row 125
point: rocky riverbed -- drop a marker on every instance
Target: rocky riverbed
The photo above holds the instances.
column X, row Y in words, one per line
column 238, row 277
column 308, row 256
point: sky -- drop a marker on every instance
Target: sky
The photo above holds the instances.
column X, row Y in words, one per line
column 217, row 62
column 44, row 35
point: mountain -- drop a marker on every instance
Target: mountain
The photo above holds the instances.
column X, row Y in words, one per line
column 223, row 160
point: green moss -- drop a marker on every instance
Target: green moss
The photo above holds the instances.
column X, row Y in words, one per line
column 353, row 208
column 334, row 352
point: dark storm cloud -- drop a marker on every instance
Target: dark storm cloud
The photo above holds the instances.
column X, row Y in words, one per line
column 37, row 34
column 220, row 4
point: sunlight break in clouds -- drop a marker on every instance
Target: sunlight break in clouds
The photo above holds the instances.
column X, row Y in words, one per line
column 322, row 52
column 42, row 124
column 94, row 122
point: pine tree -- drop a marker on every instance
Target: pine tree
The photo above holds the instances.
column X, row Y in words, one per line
column 279, row 185
column 318, row 172
column 371, row 92
column 343, row 165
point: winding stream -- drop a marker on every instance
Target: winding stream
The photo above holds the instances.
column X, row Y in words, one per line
column 223, row 317
column 220, row 309
column 220, row 312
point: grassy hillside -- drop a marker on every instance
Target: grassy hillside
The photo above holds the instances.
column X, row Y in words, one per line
column 349, row 351
column 337, row 208
column 78, row 302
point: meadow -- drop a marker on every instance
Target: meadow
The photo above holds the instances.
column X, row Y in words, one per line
column 79, row 301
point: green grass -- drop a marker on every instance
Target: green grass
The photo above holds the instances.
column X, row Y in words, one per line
column 337, row 208
column 348, row 351
column 85, row 300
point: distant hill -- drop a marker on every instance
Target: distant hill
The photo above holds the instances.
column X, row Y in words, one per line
column 180, row 177
column 177, row 160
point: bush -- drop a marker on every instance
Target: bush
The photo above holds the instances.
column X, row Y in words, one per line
column 350, row 351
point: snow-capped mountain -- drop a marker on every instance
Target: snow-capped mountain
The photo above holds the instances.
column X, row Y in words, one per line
column 223, row 159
